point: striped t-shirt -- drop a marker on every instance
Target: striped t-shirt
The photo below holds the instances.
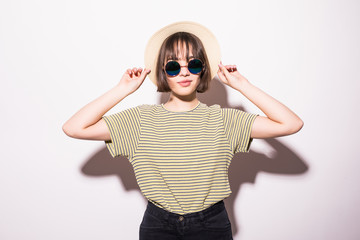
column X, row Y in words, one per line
column 180, row 159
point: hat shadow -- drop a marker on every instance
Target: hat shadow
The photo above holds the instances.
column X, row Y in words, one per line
column 244, row 167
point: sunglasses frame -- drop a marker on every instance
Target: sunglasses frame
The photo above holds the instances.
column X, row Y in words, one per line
column 202, row 67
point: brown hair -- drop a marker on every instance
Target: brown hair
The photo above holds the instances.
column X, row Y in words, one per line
column 170, row 49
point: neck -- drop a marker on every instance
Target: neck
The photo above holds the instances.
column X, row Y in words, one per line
column 181, row 103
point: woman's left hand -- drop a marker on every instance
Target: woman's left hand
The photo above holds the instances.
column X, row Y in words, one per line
column 230, row 76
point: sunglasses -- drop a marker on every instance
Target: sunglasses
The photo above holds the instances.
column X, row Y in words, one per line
column 172, row 68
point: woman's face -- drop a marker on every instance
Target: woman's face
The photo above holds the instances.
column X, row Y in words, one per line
column 185, row 83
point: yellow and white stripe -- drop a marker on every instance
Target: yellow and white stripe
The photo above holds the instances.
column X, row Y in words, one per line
column 180, row 159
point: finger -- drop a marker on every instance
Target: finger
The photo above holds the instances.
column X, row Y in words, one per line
column 128, row 71
column 140, row 70
column 221, row 75
column 230, row 68
column 134, row 70
column 224, row 70
column 234, row 68
column 144, row 73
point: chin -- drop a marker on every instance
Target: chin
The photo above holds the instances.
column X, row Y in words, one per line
column 185, row 91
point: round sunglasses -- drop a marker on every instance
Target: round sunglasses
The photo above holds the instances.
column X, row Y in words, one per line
column 173, row 68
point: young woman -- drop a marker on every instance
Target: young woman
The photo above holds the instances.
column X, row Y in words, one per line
column 181, row 150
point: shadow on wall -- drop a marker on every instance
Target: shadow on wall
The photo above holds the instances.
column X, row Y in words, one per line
column 244, row 167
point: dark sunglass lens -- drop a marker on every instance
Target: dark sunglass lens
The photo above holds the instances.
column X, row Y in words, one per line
column 195, row 66
column 172, row 68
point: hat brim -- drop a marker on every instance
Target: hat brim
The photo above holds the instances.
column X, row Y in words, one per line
column 209, row 41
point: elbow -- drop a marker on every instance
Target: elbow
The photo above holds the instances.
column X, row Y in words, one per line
column 68, row 130
column 296, row 126
column 299, row 125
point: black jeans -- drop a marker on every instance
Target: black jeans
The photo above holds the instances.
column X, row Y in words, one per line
column 211, row 223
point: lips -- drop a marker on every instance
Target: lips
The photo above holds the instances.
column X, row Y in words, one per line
column 185, row 83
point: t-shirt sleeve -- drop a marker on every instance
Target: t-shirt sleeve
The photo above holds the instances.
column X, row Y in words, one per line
column 124, row 130
column 238, row 126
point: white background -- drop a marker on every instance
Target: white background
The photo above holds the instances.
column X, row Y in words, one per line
column 56, row 56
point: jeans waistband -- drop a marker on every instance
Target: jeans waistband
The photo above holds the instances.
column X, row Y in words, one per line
column 196, row 216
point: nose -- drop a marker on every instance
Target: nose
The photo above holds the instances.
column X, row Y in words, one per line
column 184, row 71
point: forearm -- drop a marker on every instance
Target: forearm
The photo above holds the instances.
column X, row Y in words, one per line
column 271, row 107
column 93, row 112
column 87, row 123
column 283, row 120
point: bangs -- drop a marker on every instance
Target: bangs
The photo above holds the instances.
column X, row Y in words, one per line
column 180, row 45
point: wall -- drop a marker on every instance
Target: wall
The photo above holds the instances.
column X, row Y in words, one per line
column 56, row 56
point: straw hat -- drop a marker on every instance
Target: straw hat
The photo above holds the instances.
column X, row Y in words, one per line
column 209, row 41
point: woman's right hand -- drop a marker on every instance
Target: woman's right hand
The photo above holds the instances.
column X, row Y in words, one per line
column 133, row 78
